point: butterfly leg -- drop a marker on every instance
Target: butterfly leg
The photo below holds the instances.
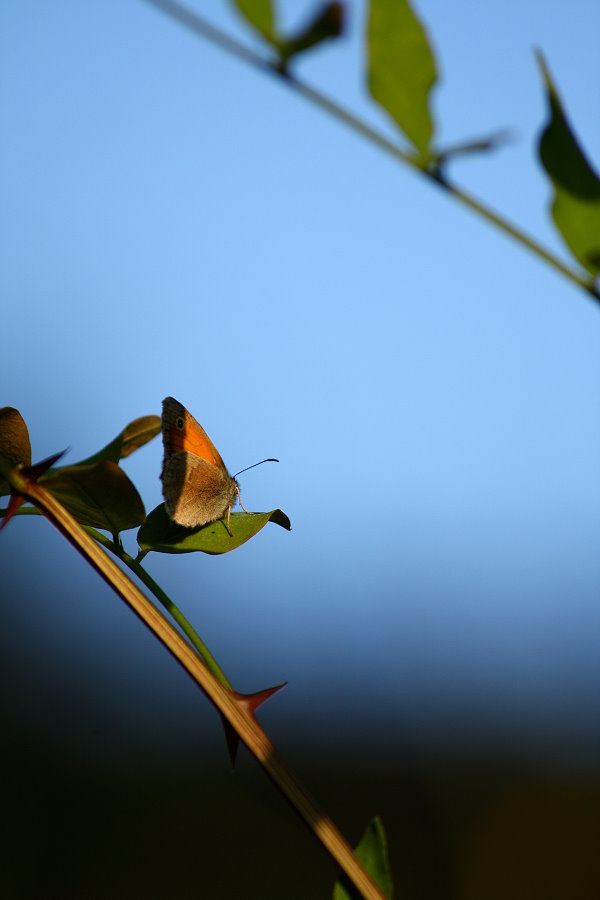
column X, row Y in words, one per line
column 242, row 505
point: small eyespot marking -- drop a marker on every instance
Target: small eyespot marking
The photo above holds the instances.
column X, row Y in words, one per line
column 179, row 423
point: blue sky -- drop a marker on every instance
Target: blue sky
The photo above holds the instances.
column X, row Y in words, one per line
column 176, row 223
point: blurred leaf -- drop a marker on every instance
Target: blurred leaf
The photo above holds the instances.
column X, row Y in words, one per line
column 402, row 69
column 576, row 205
column 161, row 534
column 373, row 853
column 100, row 495
column 15, row 446
column 327, row 23
column 133, row 436
column 479, row 145
column 259, row 14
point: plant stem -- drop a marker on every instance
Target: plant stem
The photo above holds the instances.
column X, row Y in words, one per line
column 200, row 26
column 166, row 601
column 116, row 548
column 235, row 712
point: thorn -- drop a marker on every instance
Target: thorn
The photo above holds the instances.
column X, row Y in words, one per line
column 33, row 473
column 232, row 739
column 249, row 702
column 15, row 501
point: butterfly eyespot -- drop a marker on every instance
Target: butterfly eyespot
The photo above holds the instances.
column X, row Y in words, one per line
column 179, row 423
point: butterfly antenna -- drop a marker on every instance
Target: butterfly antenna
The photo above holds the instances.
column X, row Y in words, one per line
column 253, row 466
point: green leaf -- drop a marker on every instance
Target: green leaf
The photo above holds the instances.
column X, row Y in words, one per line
column 259, row 14
column 15, row 446
column 100, row 495
column 402, row 69
column 161, row 534
column 327, row 23
column 373, row 854
column 576, row 204
column 133, row 436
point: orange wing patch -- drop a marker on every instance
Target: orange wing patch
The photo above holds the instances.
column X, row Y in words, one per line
column 182, row 432
column 194, row 439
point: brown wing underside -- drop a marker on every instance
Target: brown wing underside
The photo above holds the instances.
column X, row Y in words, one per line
column 196, row 491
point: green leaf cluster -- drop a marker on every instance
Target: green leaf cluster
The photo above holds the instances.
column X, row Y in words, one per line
column 99, row 494
column 401, row 73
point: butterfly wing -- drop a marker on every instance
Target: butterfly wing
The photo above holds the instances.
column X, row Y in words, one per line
column 181, row 431
column 196, row 484
column 195, row 491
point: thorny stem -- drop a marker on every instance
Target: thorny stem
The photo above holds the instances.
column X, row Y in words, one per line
column 236, row 713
